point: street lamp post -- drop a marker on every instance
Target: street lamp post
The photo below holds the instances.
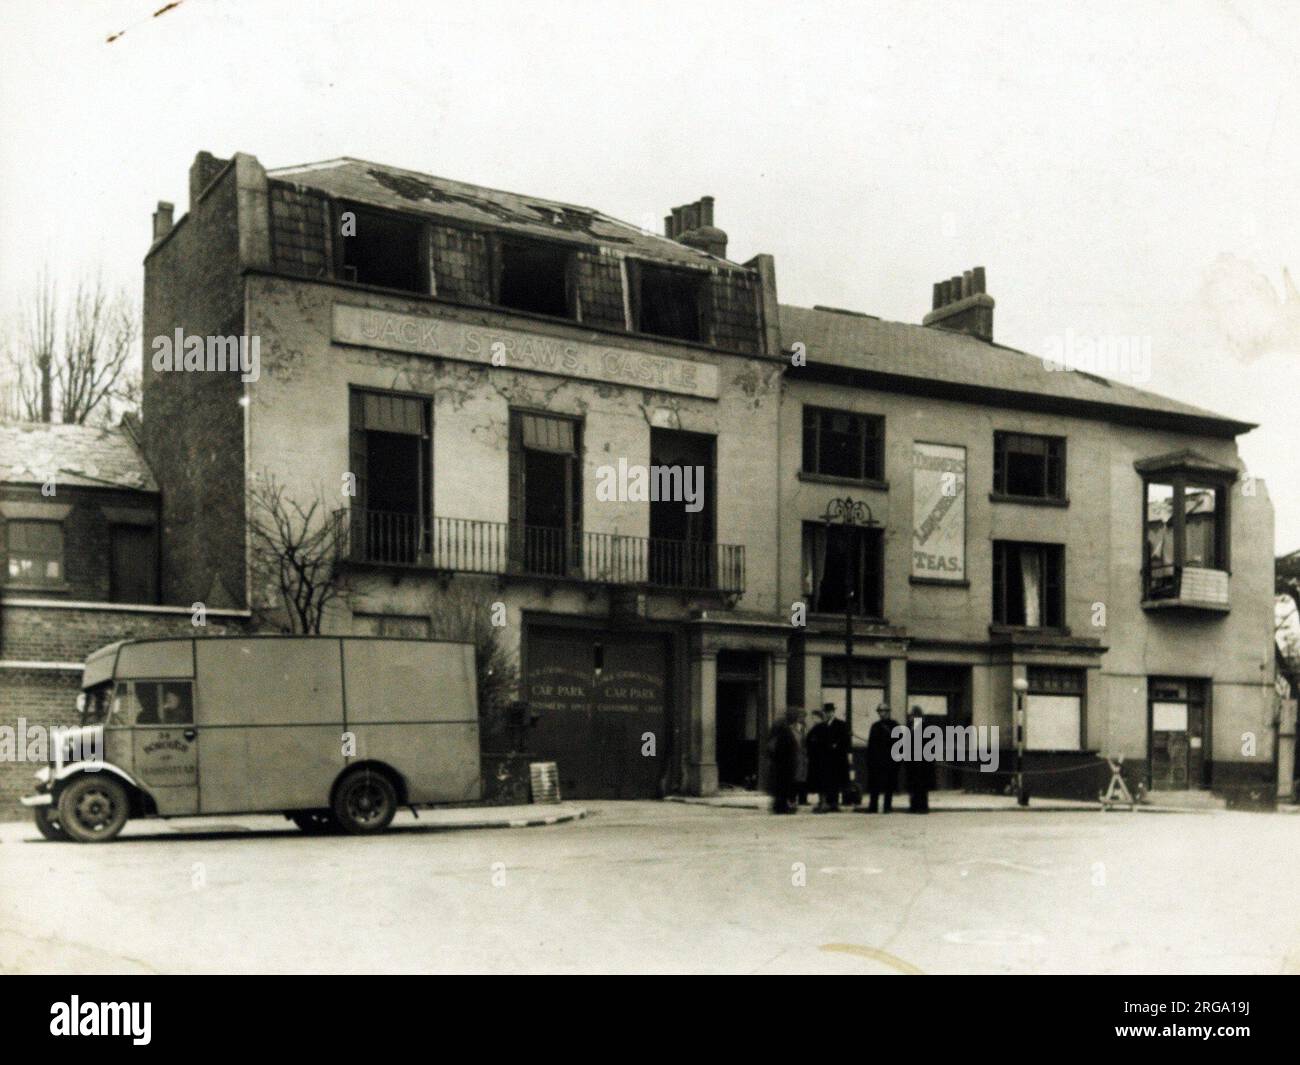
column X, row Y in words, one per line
column 1021, row 687
column 850, row 513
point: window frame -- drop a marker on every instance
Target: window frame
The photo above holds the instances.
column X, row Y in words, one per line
column 1000, row 572
column 1035, row 677
column 1051, row 493
column 872, row 436
column 499, row 246
column 1180, row 480
column 40, row 580
column 423, row 265
column 636, row 276
column 874, row 534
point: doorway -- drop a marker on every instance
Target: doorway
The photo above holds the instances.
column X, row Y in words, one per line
column 1178, row 719
column 740, row 722
column 943, row 694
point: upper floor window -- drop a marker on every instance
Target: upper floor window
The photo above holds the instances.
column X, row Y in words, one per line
column 1028, row 584
column 1184, row 527
column 35, row 551
column 390, row 436
column 839, row 443
column 535, row 276
column 843, row 564
column 1029, row 466
column 667, row 301
column 381, row 248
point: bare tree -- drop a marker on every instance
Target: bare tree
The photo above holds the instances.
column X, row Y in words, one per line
column 74, row 358
column 455, row 613
column 299, row 551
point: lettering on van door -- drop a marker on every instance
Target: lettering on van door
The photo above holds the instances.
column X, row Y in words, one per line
column 166, row 748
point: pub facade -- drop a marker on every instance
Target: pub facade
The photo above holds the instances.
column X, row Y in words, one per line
column 620, row 449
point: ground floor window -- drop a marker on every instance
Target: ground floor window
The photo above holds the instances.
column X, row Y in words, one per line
column 1054, row 709
column 870, row 689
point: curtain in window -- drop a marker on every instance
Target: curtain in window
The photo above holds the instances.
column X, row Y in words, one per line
column 1031, row 576
column 814, row 563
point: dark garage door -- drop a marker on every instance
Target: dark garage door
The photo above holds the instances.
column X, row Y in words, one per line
column 596, row 696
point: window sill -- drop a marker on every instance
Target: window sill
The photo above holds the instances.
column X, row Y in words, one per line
column 35, row 586
column 852, row 482
column 938, row 582
column 997, row 629
column 1028, row 501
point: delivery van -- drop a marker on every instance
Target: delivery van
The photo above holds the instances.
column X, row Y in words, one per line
column 334, row 732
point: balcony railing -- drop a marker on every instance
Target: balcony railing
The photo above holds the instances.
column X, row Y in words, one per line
column 465, row 546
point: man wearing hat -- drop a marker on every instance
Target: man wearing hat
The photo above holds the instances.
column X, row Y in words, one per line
column 882, row 770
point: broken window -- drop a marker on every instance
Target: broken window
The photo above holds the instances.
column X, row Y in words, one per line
column 545, row 493
column 35, row 552
column 1029, row 466
column 386, row 250
column 1184, row 527
column 668, row 302
column 840, row 443
column 1028, row 584
column 392, row 464
column 843, row 564
column 536, row 277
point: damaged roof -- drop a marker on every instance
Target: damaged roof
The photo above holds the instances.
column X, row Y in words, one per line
column 82, row 455
column 414, row 193
column 925, row 359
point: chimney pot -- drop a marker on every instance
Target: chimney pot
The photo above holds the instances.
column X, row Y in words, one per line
column 938, row 296
column 706, row 210
column 966, row 284
column 978, row 281
column 162, row 220
column 961, row 305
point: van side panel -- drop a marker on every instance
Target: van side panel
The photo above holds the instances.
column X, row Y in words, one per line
column 268, row 769
column 413, row 705
column 270, row 718
column 280, row 681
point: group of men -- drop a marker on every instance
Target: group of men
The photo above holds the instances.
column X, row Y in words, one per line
column 815, row 759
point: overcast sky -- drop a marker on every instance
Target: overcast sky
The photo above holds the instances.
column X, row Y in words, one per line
column 1121, row 170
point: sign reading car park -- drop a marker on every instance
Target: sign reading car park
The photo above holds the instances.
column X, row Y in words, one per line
column 422, row 335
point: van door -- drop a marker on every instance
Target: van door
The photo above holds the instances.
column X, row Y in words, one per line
column 165, row 742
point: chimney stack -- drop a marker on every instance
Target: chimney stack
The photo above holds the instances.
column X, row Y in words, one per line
column 205, row 167
column 961, row 305
column 162, row 220
column 692, row 225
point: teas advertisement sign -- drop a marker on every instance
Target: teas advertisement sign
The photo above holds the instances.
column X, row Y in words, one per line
column 938, row 512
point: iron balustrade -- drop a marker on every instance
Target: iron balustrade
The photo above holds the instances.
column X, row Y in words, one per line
column 467, row 546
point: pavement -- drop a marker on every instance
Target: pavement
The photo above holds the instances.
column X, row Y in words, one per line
column 666, row 887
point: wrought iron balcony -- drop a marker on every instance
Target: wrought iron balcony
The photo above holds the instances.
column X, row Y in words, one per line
column 460, row 545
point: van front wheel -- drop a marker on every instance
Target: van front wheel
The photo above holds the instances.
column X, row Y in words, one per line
column 365, row 802
column 93, row 808
column 47, row 824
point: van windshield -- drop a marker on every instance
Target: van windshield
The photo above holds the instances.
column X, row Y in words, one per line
column 98, row 703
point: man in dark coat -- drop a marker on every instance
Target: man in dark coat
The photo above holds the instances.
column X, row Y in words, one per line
column 832, row 747
column 882, row 770
column 783, row 750
column 920, row 774
column 815, row 751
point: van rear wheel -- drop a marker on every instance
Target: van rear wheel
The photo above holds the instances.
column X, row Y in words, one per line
column 47, row 823
column 365, row 802
column 93, row 808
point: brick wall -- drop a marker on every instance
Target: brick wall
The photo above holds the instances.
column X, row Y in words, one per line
column 86, row 535
column 300, row 238
column 47, row 697
column 193, row 433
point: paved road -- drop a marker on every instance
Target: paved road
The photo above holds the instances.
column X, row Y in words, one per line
column 665, row 887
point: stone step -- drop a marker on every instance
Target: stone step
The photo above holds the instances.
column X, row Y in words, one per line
column 1193, row 799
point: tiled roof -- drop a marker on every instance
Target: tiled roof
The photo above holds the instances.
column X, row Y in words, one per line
column 30, row 452
column 416, row 193
column 926, row 354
